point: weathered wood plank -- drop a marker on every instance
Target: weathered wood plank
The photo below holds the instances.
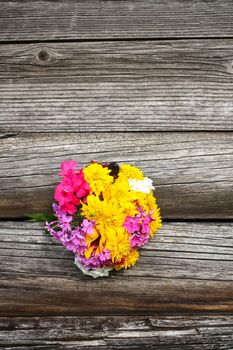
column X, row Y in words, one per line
column 192, row 171
column 117, row 86
column 96, row 19
column 118, row 332
column 185, row 267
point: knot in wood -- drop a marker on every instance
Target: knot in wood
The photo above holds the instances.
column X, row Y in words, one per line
column 43, row 56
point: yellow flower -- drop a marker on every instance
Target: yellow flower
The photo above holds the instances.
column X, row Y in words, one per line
column 121, row 194
column 93, row 208
column 111, row 215
column 146, row 201
column 118, row 244
column 88, row 252
column 157, row 223
column 98, row 177
column 151, row 201
column 131, row 172
column 129, row 261
column 91, row 237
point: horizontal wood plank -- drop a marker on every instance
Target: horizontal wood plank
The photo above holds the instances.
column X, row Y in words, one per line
column 202, row 332
column 185, row 267
column 96, row 19
column 192, row 172
column 117, row 86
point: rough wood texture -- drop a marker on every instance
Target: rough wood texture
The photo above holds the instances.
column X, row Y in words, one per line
column 185, row 267
column 205, row 332
column 96, row 19
column 117, row 86
column 192, row 171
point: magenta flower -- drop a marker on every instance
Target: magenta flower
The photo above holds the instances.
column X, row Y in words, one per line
column 63, row 194
column 131, row 224
column 66, row 166
column 72, row 189
column 138, row 239
column 138, row 227
column 145, row 224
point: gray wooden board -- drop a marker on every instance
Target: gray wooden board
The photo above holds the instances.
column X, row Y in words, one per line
column 96, row 19
column 203, row 332
column 192, row 172
column 170, row 70
column 185, row 267
column 117, row 86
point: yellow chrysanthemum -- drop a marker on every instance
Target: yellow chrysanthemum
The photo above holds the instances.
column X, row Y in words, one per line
column 121, row 194
column 146, row 201
column 129, row 261
column 131, row 172
column 111, row 215
column 118, row 244
column 98, row 177
column 93, row 208
column 157, row 223
column 151, row 201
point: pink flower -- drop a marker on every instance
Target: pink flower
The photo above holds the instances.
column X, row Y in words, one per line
column 73, row 187
column 63, row 194
column 66, row 166
column 145, row 224
column 131, row 224
column 138, row 227
column 138, row 240
column 69, row 208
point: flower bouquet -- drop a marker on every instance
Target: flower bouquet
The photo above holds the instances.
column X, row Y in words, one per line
column 103, row 213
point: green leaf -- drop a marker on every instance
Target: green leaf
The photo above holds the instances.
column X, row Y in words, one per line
column 40, row 217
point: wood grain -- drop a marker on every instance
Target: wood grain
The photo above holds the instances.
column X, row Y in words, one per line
column 117, row 86
column 96, row 19
column 185, row 267
column 202, row 332
column 192, row 172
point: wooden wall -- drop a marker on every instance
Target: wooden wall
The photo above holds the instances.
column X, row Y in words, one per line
column 145, row 82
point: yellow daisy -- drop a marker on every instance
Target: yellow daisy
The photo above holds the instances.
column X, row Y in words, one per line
column 121, row 194
column 157, row 223
column 118, row 244
column 111, row 215
column 98, row 177
column 93, row 208
column 128, row 261
column 131, row 172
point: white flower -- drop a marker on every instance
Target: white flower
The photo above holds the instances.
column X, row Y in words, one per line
column 98, row 272
column 144, row 185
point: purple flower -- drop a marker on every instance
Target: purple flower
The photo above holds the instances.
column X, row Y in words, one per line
column 87, row 226
column 72, row 239
column 131, row 224
column 63, row 218
column 105, row 255
column 138, row 227
column 138, row 239
column 96, row 261
column 145, row 225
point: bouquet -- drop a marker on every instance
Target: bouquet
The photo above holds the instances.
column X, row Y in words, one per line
column 103, row 213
